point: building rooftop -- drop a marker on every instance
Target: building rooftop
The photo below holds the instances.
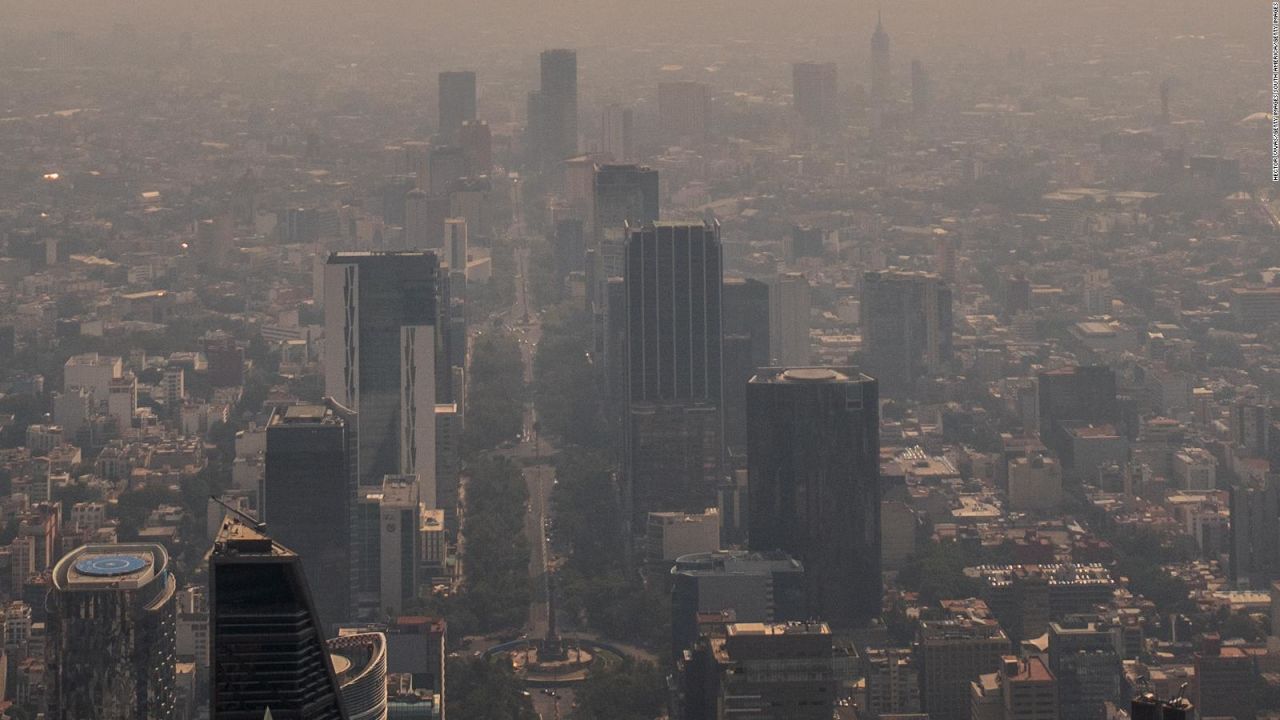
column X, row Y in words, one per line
column 770, row 629
column 806, row 375
column 110, row 567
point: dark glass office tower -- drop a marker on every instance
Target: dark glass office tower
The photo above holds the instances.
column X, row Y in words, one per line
column 569, row 247
column 1075, row 396
column 457, row 101
column 311, row 482
column 746, row 347
column 906, row 327
column 267, row 647
column 673, row 282
column 111, row 645
column 382, row 312
column 813, row 454
column 553, row 109
column 1255, row 532
column 814, row 92
column 622, row 194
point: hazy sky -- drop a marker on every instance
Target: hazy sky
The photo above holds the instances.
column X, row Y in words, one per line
column 538, row 23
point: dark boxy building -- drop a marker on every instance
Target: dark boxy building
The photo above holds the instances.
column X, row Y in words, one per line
column 553, row 109
column 111, row 644
column 906, row 327
column 755, row 587
column 311, row 479
column 813, row 454
column 813, row 87
column 746, row 348
column 1255, row 531
column 674, row 431
column 1072, row 396
column 268, row 649
column 457, row 100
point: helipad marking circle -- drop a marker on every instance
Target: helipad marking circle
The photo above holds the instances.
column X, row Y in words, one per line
column 110, row 565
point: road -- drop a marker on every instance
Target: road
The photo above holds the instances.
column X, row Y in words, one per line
column 539, row 477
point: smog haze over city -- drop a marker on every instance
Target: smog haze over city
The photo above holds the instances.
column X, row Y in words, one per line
column 662, row 360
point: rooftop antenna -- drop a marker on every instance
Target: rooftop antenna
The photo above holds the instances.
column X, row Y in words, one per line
column 254, row 522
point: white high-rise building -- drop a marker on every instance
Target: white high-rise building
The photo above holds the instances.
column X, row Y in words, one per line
column 381, row 317
column 789, row 304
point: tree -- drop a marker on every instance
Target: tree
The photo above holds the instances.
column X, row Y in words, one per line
column 595, row 583
column 483, row 690
column 496, row 552
column 630, row 691
column 495, row 397
column 565, row 390
column 937, row 572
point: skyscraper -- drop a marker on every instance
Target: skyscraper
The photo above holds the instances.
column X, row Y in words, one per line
column 553, row 109
column 789, row 304
column 813, row 454
column 616, row 132
column 382, row 313
column 111, row 645
column 880, row 64
column 456, row 245
column 417, row 231
column 445, row 166
column 457, row 101
column 673, row 281
column 311, row 479
column 906, row 327
column 746, row 347
column 476, row 141
column 1083, row 657
column 622, row 194
column 391, row 542
column 267, row 645
column 683, row 112
column 815, row 93
column 1255, row 532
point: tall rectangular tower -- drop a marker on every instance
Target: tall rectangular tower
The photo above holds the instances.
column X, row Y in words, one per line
column 382, row 315
column 616, row 136
column 457, row 101
column 558, row 104
column 813, row 458
column 814, row 93
column 312, row 475
column 673, row 279
column 906, row 327
column 789, row 305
